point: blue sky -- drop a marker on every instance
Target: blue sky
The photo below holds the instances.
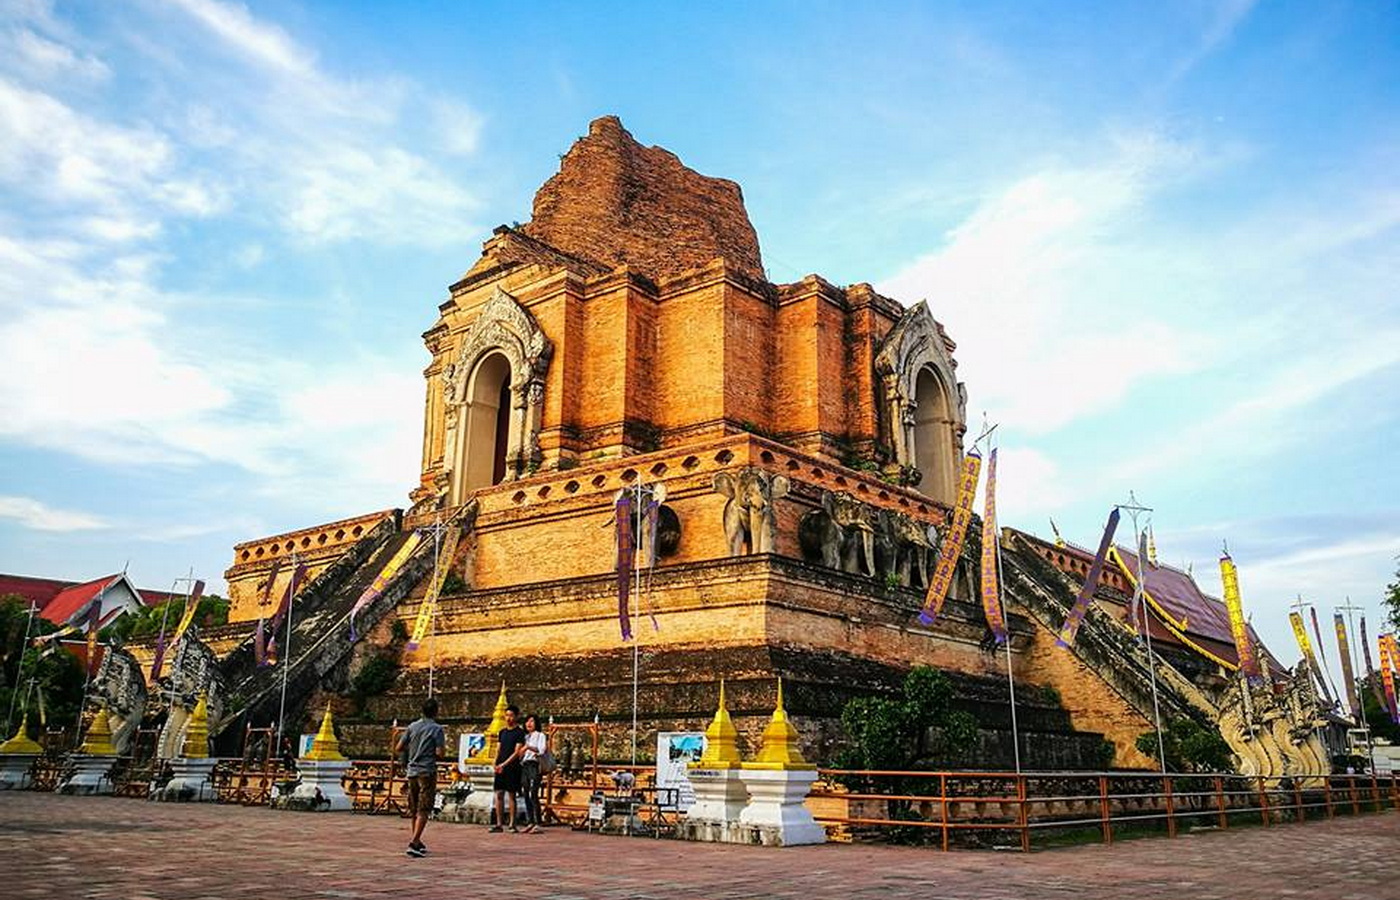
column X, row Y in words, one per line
column 1165, row 236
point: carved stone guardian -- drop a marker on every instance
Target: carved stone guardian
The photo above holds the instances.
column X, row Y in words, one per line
column 749, row 517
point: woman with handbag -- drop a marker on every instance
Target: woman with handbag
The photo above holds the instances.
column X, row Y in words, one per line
column 534, row 764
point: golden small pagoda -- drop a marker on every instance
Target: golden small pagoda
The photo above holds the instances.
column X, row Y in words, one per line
column 325, row 747
column 98, row 741
column 21, row 742
column 779, row 748
column 196, row 745
column 721, row 740
column 487, row 754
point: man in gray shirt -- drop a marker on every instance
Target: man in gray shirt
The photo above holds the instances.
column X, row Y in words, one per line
column 419, row 747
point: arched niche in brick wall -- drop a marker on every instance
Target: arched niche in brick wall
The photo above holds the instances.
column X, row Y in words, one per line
column 493, row 395
column 925, row 406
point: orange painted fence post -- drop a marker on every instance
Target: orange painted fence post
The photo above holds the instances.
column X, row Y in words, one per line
column 1025, row 821
column 1103, row 810
column 1171, row 817
column 1220, row 801
column 1263, row 803
column 943, row 805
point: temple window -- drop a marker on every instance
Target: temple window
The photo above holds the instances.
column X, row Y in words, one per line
column 935, row 446
column 487, row 413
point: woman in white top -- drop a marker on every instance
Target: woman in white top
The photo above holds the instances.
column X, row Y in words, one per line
column 536, row 743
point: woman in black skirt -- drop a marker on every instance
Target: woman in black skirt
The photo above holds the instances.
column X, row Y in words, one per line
column 507, row 781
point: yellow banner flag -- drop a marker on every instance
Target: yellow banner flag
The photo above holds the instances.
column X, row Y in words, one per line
column 1239, row 629
column 444, row 564
column 953, row 539
column 191, row 606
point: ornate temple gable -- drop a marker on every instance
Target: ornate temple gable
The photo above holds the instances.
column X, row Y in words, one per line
column 617, row 202
column 472, row 388
column 925, row 404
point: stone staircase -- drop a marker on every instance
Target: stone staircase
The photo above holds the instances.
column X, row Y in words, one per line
column 320, row 635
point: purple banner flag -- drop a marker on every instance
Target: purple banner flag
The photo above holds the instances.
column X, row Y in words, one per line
column 382, row 580
column 1371, row 678
column 1080, row 609
column 1137, row 605
column 298, row 574
column 626, row 556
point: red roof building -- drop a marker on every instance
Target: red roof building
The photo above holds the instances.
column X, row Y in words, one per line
column 64, row 602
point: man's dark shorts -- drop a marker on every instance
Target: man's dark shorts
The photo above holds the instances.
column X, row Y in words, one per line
column 422, row 789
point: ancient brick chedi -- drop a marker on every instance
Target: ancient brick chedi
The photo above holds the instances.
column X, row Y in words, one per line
column 802, row 440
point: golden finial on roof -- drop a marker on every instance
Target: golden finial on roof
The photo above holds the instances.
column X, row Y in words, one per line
column 196, row 744
column 487, row 753
column 721, row 740
column 325, row 747
column 98, row 741
column 20, row 743
column 1059, row 541
column 779, row 749
column 1151, row 547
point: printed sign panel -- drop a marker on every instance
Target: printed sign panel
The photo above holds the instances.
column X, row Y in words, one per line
column 468, row 745
column 675, row 750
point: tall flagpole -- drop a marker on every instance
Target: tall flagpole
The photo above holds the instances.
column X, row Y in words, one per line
column 1134, row 510
column 19, row 669
column 432, row 587
column 180, row 653
column 636, row 592
column 1356, row 663
column 1010, row 676
column 286, row 653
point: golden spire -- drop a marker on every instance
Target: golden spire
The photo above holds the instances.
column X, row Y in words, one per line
column 1151, row 547
column 487, row 753
column 721, row 748
column 98, row 741
column 197, row 731
column 21, row 743
column 779, row 750
column 325, row 747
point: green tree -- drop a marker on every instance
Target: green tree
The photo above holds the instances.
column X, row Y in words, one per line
column 27, row 672
column 1391, row 600
column 917, row 730
column 1377, row 716
column 147, row 621
column 1189, row 747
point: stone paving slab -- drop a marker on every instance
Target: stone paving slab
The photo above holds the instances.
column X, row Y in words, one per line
column 56, row 848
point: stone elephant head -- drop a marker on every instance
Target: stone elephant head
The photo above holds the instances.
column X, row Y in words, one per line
column 750, row 519
column 858, row 523
column 911, row 543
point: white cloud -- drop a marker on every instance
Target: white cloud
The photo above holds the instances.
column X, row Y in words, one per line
column 457, row 126
column 1026, row 286
column 102, row 360
column 1030, row 484
column 37, row 516
column 41, row 58
column 265, row 44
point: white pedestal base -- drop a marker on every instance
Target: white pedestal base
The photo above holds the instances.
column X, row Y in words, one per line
column 776, row 811
column 720, row 797
column 476, row 809
column 14, row 770
column 319, row 789
column 91, row 775
column 192, row 781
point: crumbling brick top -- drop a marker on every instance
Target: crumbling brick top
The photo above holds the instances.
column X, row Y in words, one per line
column 619, row 203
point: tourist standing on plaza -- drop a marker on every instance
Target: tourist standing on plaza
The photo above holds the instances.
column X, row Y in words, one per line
column 507, row 780
column 536, row 743
column 419, row 747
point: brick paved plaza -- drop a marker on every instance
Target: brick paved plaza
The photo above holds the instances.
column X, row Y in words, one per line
column 64, row 847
